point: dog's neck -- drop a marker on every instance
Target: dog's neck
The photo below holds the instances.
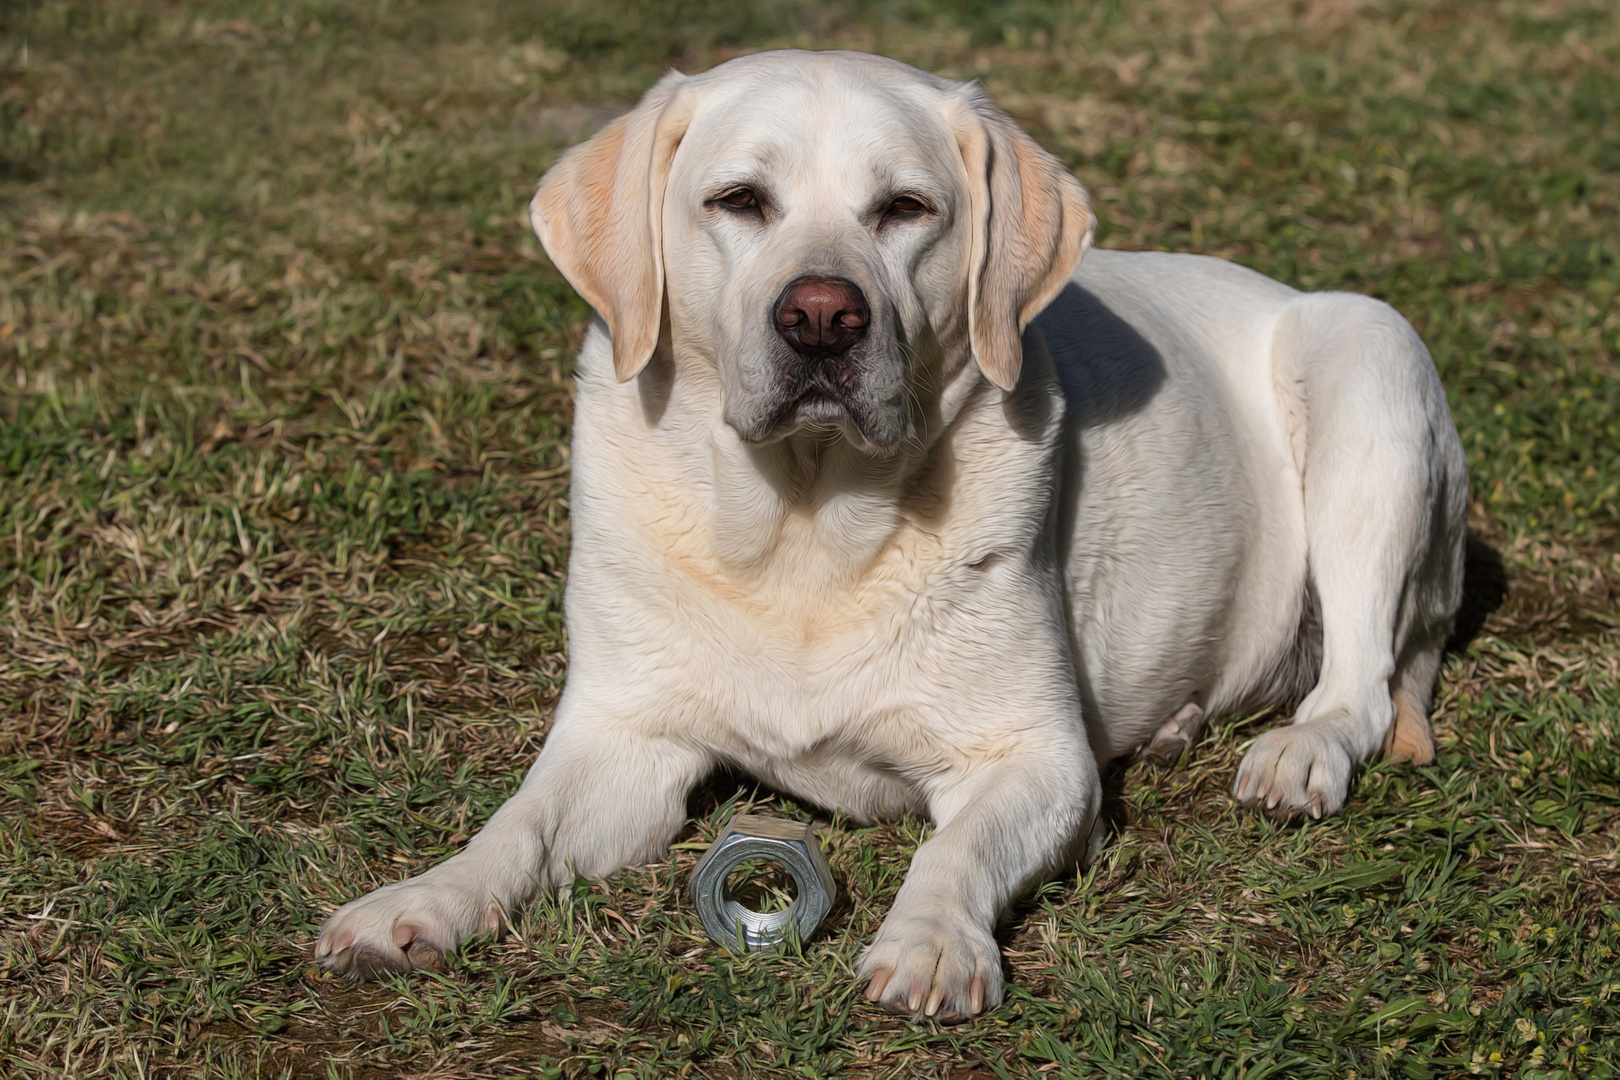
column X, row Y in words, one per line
column 809, row 498
column 812, row 507
column 816, row 499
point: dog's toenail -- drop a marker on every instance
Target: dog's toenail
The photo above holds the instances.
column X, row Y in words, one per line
column 880, row 982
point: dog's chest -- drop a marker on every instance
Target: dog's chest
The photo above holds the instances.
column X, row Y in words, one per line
column 785, row 657
column 805, row 607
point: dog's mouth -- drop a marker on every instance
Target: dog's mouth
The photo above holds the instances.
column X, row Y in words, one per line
column 813, row 403
column 806, row 406
column 815, row 406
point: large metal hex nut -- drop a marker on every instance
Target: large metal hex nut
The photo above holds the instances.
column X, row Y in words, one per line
column 791, row 845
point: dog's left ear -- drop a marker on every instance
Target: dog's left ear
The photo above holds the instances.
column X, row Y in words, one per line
column 599, row 212
column 1031, row 222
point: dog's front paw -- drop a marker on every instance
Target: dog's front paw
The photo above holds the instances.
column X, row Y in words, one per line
column 1294, row 770
column 398, row 928
column 943, row 968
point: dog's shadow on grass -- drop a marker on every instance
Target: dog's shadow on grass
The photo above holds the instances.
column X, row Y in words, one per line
column 1485, row 588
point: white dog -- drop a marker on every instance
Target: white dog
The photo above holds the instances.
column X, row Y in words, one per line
column 878, row 499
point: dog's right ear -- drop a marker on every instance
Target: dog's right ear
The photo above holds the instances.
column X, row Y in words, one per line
column 599, row 213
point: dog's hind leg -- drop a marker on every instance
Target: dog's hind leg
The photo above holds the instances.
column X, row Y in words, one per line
column 1409, row 737
column 1385, row 512
column 1175, row 737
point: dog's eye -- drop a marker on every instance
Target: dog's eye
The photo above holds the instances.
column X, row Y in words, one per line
column 905, row 206
column 738, row 199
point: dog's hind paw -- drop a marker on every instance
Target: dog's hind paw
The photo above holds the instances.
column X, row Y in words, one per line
column 930, row 969
column 1295, row 770
column 1175, row 738
column 412, row 925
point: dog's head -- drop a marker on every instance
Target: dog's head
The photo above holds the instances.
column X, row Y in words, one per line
column 833, row 232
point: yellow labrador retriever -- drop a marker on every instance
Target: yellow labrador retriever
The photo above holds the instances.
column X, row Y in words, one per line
column 879, row 498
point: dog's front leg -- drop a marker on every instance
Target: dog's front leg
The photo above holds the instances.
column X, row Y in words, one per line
column 1000, row 828
column 601, row 796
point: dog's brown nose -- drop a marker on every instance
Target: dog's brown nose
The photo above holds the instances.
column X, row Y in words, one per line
column 822, row 315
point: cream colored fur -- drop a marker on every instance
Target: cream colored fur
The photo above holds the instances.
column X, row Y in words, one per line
column 1188, row 489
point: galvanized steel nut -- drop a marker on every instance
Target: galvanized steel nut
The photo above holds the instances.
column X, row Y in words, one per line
column 791, row 845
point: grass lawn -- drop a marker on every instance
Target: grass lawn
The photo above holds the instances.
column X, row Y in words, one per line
column 284, row 421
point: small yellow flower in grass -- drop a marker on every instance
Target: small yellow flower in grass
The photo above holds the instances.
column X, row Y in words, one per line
column 1526, row 1030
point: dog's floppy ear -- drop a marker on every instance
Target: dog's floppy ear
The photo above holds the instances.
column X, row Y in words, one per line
column 1031, row 222
column 599, row 213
